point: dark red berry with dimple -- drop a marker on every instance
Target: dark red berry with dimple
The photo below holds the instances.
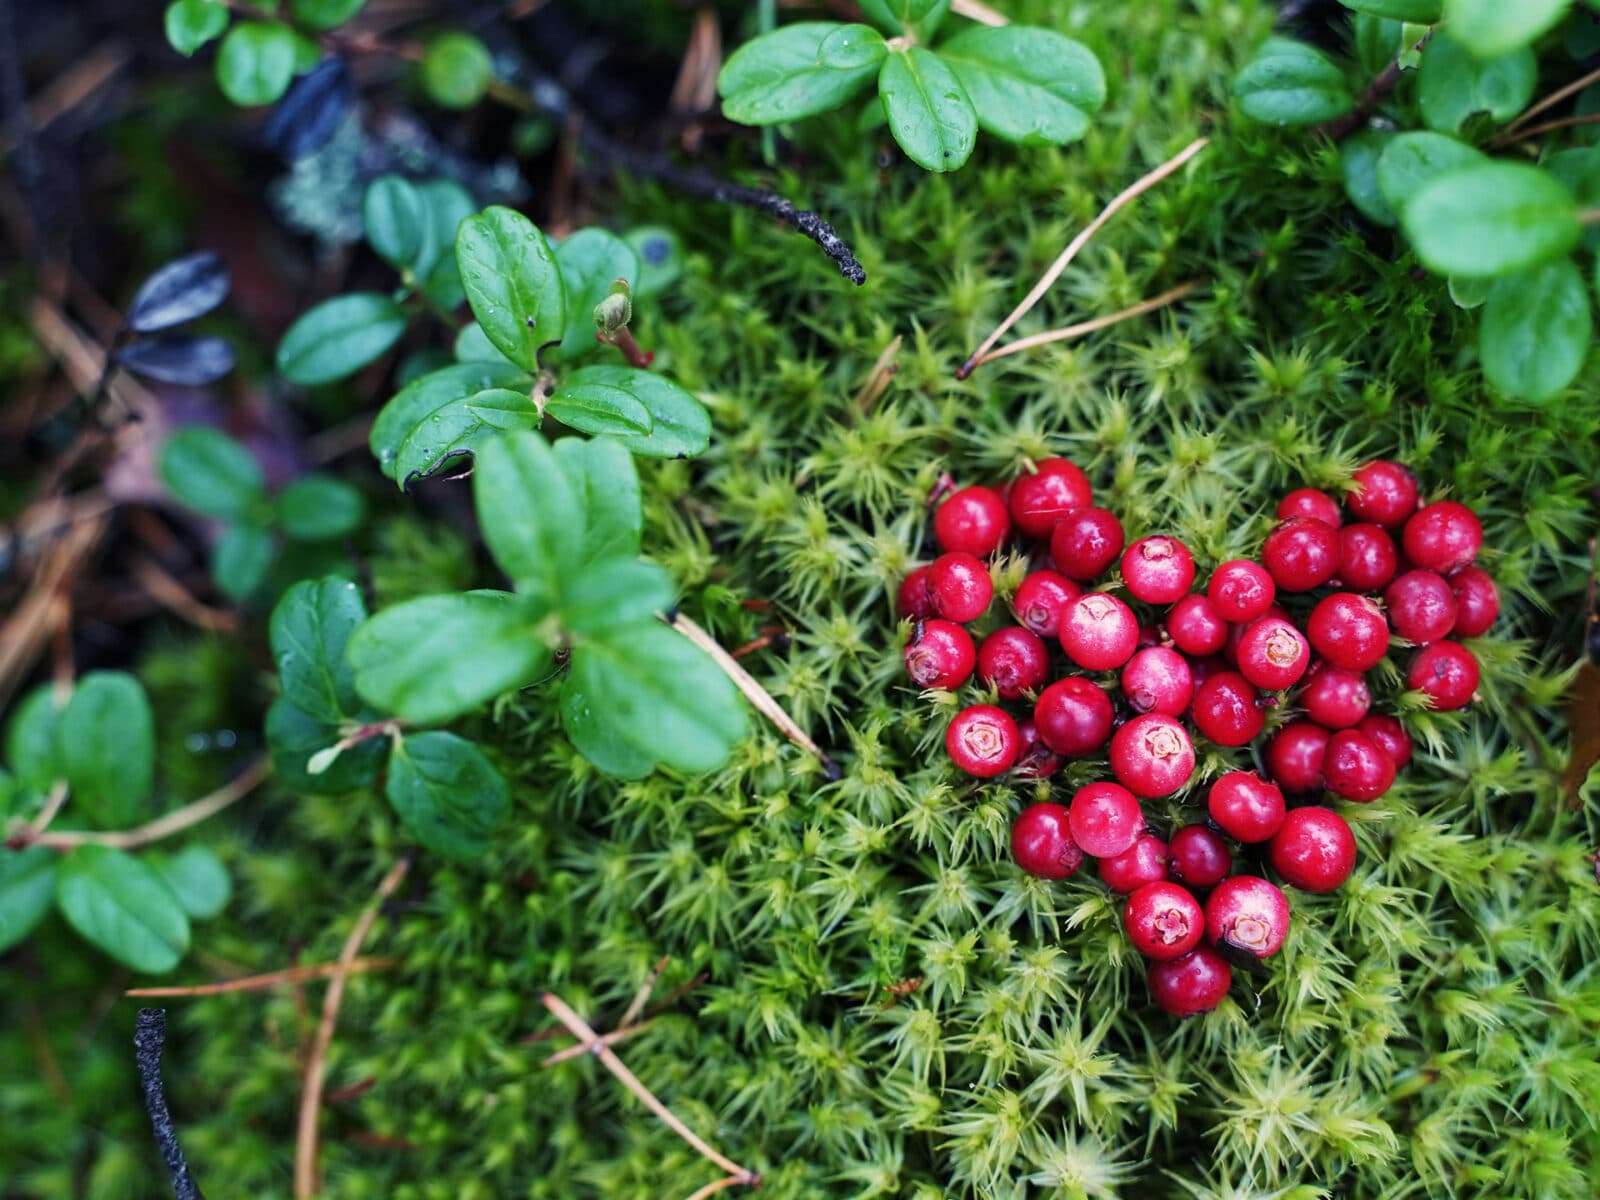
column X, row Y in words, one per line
column 983, row 741
column 1015, row 660
column 1105, row 819
column 1157, row 570
column 1199, row 857
column 1310, row 503
column 1074, row 716
column 1039, row 500
column 1195, row 626
column 1314, row 850
column 940, row 655
column 1241, row 590
column 1273, row 654
column 1152, row 755
column 1294, row 754
column 1354, row 767
column 1422, row 608
column 1248, row 912
column 1447, row 672
column 1042, row 600
column 1035, row 760
column 914, row 599
column 1191, row 985
column 1442, row 536
column 1301, row 554
column 1477, row 602
column 960, row 586
column 1041, row 842
column 1144, row 862
column 1158, row 680
column 1227, row 709
column 1163, row 921
column 1086, row 542
column 1385, row 493
column 1349, row 631
column 1367, row 558
column 972, row 521
column 1389, row 736
column 1335, row 698
column 1245, row 806
column 1100, row 632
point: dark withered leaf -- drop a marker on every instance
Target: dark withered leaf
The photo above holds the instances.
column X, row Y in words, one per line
column 310, row 112
column 184, row 289
column 181, row 359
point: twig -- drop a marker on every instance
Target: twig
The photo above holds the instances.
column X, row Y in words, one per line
column 306, row 1183
column 1071, row 331
column 1382, row 84
column 179, row 819
column 1547, row 127
column 580, row 1049
column 259, row 983
column 173, row 596
column 52, row 806
column 883, row 370
column 711, row 1189
column 642, row 996
column 981, row 13
column 1550, row 101
column 1132, row 192
column 150, row 1035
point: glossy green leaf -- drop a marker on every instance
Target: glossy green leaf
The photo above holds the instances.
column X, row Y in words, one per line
column 197, row 878
column 512, row 282
column 208, row 471
column 1579, row 169
column 916, row 18
column 31, row 735
column 780, row 76
column 241, row 560
column 1291, row 83
column 311, row 626
column 190, row 24
column 319, row 508
column 122, row 907
column 600, row 408
column 1030, row 86
column 929, row 111
column 456, row 70
column 1535, row 332
column 473, row 345
column 613, row 592
column 340, row 336
column 106, row 746
column 1452, row 85
column 448, row 794
column 1468, row 293
column 852, row 46
column 1411, row 159
column 1490, row 28
column 528, row 511
column 1491, row 219
column 680, row 425
column 504, row 409
column 27, row 889
column 429, row 421
column 1377, row 42
column 1358, row 162
column 600, row 741
column 393, row 215
column 1424, row 12
column 324, row 14
column 294, row 738
column 606, row 484
column 589, row 261
column 660, row 259
column 256, row 62
column 445, row 204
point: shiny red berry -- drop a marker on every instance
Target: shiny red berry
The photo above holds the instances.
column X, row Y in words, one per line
column 1422, row 608
column 1152, row 755
column 1349, row 631
column 1273, row 654
column 972, row 521
column 1477, row 602
column 1310, row 503
column 1314, row 850
column 983, row 741
column 1157, row 570
column 1301, row 554
column 1335, row 698
column 1248, row 912
column 1191, row 985
column 1442, row 536
column 940, row 655
column 1294, row 754
column 914, row 599
column 1227, row 709
column 1035, row 760
column 1245, row 806
column 1163, row 921
column 1389, row 736
column 1039, row 500
column 1099, row 632
column 1354, row 767
column 960, row 586
column 1241, row 590
column 1042, row 844
column 1367, row 558
column 1105, row 819
column 1041, row 602
column 1143, row 862
column 1074, row 716
column 1199, row 857
column 1015, row 660
column 1086, row 542
column 1385, row 493
column 1195, row 626
column 1447, row 672
column 1158, row 680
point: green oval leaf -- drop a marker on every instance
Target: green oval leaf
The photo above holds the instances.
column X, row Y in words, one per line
column 106, row 746
column 780, row 76
column 473, row 345
column 319, row 508
column 190, row 24
column 339, row 336
column 1358, row 162
column 599, row 408
column 501, row 408
column 213, row 474
column 1030, row 86
column 1536, row 331
column 448, row 794
column 1490, row 28
column 242, row 559
column 1410, row 160
column 1452, row 85
column 392, row 213
column 606, row 484
column 427, row 421
column 311, row 626
column 456, row 70
column 528, row 512
column 1468, row 293
column 1491, row 219
column 324, row 14
column 929, row 111
column 27, row 887
column 613, row 592
column 915, row 18
column 680, row 426
column 600, row 741
column 445, row 204
column 660, row 258
column 256, row 62
column 851, row 46
column 1291, row 83
column 589, row 261
column 512, row 282
column 294, row 737
column 197, row 878
column 31, row 746
column 122, row 907
column 1421, row 12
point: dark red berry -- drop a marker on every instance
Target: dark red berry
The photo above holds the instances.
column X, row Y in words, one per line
column 1367, row 558
column 1310, row 503
column 1152, row 755
column 1035, row 760
column 1477, row 602
column 1422, row 608
column 1193, row 984
column 1204, row 668
column 1195, row 626
column 1389, row 736
column 1227, row 709
column 972, row 521
column 914, row 599
column 1041, row 602
column 1314, row 850
column 1105, row 819
column 1245, row 806
column 1354, row 767
column 1199, row 857
column 1248, row 912
column 1230, row 649
column 1157, row 570
column 1335, row 698
column 1301, row 554
column 1014, row 660
column 1149, row 635
column 960, row 586
column 1158, row 680
column 1143, row 862
column 1164, row 921
column 1447, row 672
column 1042, row 844
column 1442, row 536
column 1349, row 631
column 983, row 741
column 1086, row 543
column 1294, row 754
column 1074, row 716
column 940, row 655
column 1241, row 590
column 1273, row 654
column 1041, row 499
column 1385, row 493
column 1099, row 632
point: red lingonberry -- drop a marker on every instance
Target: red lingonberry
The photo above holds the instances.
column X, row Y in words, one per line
column 1294, row 754
column 914, row 599
column 1367, row 558
column 1152, row 755
column 1301, row 554
column 972, row 521
column 1230, row 648
column 1099, row 632
column 1158, row 680
column 1105, row 819
column 1273, row 654
column 1248, row 912
column 1205, row 667
column 1074, row 716
column 1041, row 842
column 1314, row 850
column 1035, row 760
column 1157, row 570
column 1191, row 985
column 1422, row 608
column 1041, row 499
column 1442, row 536
column 1086, row 542
column 1227, row 709
column 1143, row 862
column 1312, row 504
column 1385, row 493
column 1349, row 631
column 1335, row 698
column 1447, row 672
column 1163, row 921
column 960, row 586
column 1245, row 806
column 1199, row 857
column 983, row 741
column 1241, row 590
column 1477, row 602
column 1354, row 767
column 1041, row 601
column 1389, row 736
column 940, row 655
column 1195, row 626
column 1015, row 660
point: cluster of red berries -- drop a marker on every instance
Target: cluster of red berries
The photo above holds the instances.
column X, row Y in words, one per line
column 1221, row 658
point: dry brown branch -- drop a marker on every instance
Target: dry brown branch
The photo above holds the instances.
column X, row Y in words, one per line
column 179, row 819
column 24, row 634
column 580, row 1049
column 1072, row 331
column 1547, row 127
column 712, row 1188
column 260, row 983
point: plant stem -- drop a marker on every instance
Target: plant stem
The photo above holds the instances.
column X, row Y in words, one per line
column 1382, row 84
column 1554, row 98
column 1546, row 127
column 1078, row 330
column 150, row 1036
column 174, row 822
column 258, row 983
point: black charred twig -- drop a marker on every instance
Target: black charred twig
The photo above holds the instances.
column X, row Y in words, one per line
column 150, row 1036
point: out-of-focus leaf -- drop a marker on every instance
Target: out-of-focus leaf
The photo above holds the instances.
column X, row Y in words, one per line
column 180, row 291
column 179, row 358
column 310, row 112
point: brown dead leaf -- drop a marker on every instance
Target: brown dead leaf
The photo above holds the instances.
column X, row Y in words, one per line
column 1583, row 716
